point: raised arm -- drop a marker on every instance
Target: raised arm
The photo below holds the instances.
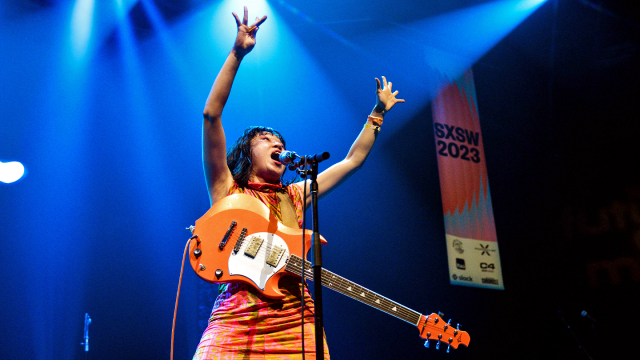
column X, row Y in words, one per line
column 335, row 175
column 214, row 147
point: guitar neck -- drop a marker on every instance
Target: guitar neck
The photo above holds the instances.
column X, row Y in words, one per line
column 354, row 291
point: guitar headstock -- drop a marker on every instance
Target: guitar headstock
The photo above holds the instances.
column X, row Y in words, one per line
column 433, row 327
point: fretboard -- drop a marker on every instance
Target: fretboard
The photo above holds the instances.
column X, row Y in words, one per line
column 354, row 291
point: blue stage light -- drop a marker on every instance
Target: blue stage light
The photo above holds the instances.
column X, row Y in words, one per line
column 81, row 26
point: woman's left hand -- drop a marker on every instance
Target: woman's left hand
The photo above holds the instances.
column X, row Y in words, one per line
column 385, row 98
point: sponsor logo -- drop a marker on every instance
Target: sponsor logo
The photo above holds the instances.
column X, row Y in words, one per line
column 461, row 278
column 490, row 281
column 460, row 264
column 487, row 267
column 485, row 250
column 457, row 245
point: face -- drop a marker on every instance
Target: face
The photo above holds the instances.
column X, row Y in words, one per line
column 264, row 168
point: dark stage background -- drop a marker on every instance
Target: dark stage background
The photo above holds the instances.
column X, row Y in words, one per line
column 111, row 143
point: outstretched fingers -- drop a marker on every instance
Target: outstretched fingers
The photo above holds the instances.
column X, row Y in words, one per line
column 395, row 93
column 259, row 21
column 245, row 19
column 237, row 20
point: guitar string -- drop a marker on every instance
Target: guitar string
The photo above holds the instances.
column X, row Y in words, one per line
column 262, row 250
column 369, row 300
column 403, row 313
column 338, row 283
column 370, row 297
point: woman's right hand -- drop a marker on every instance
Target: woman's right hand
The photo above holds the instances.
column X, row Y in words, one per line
column 246, row 38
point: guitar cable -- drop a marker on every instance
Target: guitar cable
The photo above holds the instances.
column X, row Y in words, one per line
column 175, row 310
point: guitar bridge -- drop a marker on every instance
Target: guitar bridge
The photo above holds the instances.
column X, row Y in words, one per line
column 223, row 243
column 275, row 255
column 254, row 246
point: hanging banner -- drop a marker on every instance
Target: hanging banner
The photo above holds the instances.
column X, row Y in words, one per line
column 472, row 243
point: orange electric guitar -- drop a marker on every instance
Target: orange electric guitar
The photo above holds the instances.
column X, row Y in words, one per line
column 239, row 239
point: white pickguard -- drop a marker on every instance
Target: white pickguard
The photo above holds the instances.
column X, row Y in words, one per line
column 256, row 269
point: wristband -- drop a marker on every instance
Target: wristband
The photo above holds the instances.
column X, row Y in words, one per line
column 375, row 120
column 375, row 128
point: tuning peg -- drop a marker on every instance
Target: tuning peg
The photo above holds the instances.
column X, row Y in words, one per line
column 426, row 343
column 449, row 347
column 438, row 344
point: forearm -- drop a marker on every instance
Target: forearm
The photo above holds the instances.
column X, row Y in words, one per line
column 364, row 142
column 221, row 88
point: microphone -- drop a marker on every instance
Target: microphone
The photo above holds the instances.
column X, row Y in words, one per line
column 294, row 160
column 287, row 157
column 584, row 314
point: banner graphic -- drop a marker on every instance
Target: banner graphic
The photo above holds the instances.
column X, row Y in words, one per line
column 472, row 243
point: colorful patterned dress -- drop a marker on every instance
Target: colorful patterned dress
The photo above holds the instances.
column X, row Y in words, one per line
column 246, row 325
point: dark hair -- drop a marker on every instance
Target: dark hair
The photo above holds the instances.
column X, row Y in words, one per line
column 239, row 154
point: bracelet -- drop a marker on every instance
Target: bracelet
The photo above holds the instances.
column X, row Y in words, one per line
column 375, row 128
column 375, row 120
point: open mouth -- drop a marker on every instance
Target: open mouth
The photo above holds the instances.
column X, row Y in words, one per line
column 276, row 156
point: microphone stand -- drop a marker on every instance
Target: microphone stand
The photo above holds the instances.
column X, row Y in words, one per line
column 317, row 264
column 317, row 251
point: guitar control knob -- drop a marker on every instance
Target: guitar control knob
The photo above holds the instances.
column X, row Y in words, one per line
column 219, row 274
column 197, row 253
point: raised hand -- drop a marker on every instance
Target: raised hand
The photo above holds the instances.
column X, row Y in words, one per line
column 385, row 98
column 246, row 38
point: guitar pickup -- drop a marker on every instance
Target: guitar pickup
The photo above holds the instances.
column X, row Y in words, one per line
column 275, row 255
column 254, row 246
